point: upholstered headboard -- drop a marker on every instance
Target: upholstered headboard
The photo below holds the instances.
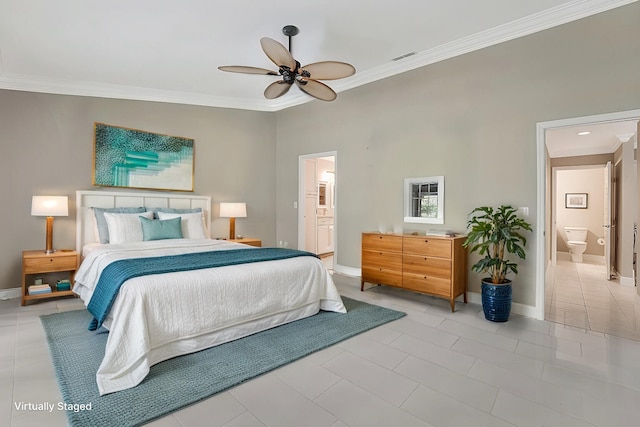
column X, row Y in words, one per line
column 85, row 200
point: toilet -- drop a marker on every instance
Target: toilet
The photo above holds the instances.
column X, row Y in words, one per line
column 576, row 241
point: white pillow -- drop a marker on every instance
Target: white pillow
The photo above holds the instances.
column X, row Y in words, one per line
column 125, row 227
column 192, row 224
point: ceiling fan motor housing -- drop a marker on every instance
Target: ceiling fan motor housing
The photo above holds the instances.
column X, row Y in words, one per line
column 289, row 75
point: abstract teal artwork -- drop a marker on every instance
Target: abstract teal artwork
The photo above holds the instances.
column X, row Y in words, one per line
column 133, row 158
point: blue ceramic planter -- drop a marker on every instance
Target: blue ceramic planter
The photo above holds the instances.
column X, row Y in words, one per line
column 496, row 300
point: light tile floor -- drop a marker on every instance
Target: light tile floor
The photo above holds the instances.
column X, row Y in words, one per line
column 430, row 368
column 578, row 294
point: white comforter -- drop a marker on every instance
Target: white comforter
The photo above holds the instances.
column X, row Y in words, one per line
column 157, row 317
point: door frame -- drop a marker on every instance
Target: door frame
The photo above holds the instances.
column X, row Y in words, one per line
column 542, row 258
column 301, row 193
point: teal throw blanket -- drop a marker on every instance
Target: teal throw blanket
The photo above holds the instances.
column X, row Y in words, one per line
column 118, row 272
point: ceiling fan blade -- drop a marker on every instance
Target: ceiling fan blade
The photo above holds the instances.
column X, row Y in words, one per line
column 329, row 70
column 276, row 89
column 247, row 70
column 277, row 53
column 316, row 89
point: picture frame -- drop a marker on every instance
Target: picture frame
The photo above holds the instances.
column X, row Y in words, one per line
column 575, row 200
column 132, row 158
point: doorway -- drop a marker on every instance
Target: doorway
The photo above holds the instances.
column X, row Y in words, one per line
column 616, row 301
column 317, row 208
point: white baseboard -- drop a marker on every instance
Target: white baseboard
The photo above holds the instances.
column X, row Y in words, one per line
column 626, row 281
column 347, row 271
column 10, row 293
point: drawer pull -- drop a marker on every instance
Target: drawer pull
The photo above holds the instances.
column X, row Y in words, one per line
column 426, row 241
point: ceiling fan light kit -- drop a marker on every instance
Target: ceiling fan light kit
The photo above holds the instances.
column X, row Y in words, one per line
column 306, row 78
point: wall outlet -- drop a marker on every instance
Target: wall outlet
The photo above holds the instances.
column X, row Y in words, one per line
column 524, row 211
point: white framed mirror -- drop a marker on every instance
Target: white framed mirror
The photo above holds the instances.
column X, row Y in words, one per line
column 424, row 200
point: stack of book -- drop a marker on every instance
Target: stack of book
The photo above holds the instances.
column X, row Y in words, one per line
column 39, row 289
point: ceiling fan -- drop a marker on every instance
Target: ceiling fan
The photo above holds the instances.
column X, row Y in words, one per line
column 306, row 78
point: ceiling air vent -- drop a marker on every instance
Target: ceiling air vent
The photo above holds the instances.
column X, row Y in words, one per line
column 406, row 55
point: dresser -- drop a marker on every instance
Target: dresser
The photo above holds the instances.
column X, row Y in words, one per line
column 431, row 265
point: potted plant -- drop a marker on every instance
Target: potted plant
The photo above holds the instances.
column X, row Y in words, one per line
column 494, row 233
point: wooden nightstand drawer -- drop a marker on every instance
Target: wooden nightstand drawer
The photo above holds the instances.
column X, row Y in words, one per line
column 248, row 241
column 50, row 264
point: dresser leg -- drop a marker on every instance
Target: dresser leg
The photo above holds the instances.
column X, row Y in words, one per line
column 465, row 297
column 453, row 305
column 361, row 285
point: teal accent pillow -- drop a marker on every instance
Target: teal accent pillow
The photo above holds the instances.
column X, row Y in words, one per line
column 157, row 229
column 101, row 222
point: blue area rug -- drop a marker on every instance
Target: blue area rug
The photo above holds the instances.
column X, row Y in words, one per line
column 182, row 381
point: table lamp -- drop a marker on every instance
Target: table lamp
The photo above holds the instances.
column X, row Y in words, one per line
column 233, row 211
column 50, row 206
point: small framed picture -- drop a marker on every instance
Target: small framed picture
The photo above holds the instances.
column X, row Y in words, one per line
column 575, row 200
column 37, row 281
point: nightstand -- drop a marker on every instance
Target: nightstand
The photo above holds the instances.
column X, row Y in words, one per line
column 39, row 262
column 247, row 241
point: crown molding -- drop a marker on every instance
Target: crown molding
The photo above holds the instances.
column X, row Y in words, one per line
column 549, row 18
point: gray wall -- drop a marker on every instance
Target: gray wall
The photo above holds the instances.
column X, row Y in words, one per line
column 471, row 118
column 47, row 149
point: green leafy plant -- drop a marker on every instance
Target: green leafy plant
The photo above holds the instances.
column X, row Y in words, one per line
column 494, row 234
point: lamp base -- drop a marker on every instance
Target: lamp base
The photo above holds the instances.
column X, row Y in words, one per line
column 232, row 228
column 49, row 246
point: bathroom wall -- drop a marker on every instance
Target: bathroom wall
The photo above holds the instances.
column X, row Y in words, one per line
column 586, row 179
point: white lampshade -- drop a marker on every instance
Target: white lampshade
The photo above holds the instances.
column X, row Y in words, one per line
column 233, row 210
column 50, row 206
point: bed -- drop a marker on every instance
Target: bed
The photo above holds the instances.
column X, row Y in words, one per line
column 155, row 317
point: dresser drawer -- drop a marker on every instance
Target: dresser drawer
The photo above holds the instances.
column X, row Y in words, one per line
column 427, row 284
column 425, row 245
column 433, row 267
column 382, row 276
column 379, row 259
column 50, row 264
column 382, row 242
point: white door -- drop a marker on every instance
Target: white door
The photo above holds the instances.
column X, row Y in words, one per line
column 310, row 230
column 608, row 215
